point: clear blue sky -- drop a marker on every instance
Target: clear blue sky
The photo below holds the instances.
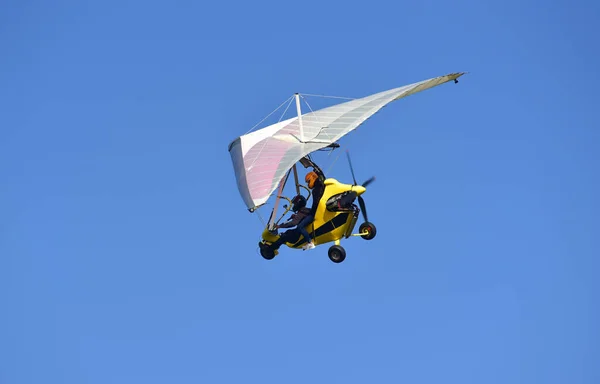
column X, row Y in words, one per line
column 127, row 255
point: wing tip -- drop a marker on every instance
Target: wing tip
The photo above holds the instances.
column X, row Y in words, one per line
column 452, row 77
column 455, row 75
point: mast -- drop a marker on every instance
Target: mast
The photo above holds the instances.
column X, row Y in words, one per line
column 299, row 110
column 271, row 224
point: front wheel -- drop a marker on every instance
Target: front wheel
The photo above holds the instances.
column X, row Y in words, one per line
column 337, row 253
column 266, row 252
column 370, row 230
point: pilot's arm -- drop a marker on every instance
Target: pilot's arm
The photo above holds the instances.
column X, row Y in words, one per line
column 292, row 222
column 287, row 224
column 294, row 219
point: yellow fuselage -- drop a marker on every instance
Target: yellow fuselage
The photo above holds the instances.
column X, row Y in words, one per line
column 327, row 226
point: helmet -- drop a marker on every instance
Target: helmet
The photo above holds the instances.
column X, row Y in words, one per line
column 298, row 202
column 310, row 179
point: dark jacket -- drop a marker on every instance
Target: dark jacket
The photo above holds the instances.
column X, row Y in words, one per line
column 295, row 218
column 317, row 193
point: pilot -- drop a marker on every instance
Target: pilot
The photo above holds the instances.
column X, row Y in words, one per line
column 300, row 212
column 316, row 183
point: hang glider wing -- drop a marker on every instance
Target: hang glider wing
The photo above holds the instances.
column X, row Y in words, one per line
column 262, row 158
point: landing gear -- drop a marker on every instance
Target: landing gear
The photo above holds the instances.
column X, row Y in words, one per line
column 370, row 230
column 266, row 252
column 337, row 253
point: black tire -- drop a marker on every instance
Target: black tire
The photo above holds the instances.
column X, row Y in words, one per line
column 368, row 227
column 266, row 252
column 337, row 253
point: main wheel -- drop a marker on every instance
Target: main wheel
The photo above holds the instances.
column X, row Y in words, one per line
column 337, row 253
column 266, row 252
column 369, row 228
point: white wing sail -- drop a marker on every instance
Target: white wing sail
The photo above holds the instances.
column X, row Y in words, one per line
column 262, row 158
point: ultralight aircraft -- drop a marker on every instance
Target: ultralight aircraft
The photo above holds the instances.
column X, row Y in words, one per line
column 264, row 159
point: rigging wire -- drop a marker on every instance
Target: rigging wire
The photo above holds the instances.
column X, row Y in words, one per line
column 266, row 117
column 329, row 97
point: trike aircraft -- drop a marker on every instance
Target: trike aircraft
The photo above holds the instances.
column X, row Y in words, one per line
column 264, row 159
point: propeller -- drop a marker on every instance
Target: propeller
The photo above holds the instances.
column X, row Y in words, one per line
column 368, row 181
column 361, row 201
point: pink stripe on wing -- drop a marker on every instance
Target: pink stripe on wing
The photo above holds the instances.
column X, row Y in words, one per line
column 266, row 156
